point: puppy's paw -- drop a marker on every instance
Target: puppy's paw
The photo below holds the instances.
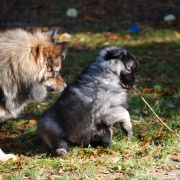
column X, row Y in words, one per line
column 130, row 137
column 129, row 133
column 108, row 143
column 61, row 152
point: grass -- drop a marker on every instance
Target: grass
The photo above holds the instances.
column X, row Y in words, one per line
column 147, row 155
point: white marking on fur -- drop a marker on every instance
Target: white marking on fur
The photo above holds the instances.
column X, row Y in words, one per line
column 41, row 74
column 5, row 157
column 16, row 111
column 2, row 113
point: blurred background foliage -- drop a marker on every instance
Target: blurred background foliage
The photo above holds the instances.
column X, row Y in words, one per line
column 93, row 15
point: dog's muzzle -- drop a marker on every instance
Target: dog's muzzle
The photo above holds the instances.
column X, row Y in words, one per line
column 128, row 86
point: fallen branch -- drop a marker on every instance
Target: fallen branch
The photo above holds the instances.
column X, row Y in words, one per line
column 155, row 113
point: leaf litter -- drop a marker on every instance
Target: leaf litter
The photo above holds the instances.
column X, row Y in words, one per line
column 148, row 151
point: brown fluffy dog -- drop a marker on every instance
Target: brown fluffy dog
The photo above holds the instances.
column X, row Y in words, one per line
column 29, row 64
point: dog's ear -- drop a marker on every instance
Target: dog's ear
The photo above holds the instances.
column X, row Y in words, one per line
column 114, row 54
column 63, row 48
column 131, row 64
column 51, row 34
column 55, row 50
column 36, row 52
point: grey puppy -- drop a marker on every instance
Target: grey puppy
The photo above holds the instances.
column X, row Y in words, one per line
column 90, row 106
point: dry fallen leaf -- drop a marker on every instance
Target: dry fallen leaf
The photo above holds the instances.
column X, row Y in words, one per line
column 126, row 151
column 176, row 159
column 146, row 90
column 94, row 153
column 32, row 122
column 61, row 172
column 169, row 168
column 150, row 121
column 100, row 148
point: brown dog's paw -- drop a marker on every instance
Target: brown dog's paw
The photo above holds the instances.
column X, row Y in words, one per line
column 5, row 157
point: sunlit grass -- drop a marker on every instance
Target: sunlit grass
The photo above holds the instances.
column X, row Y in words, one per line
column 150, row 150
column 147, row 36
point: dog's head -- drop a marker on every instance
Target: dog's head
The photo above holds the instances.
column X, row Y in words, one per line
column 49, row 56
column 123, row 64
column 53, row 52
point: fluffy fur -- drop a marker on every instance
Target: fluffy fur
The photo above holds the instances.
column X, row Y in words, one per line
column 29, row 63
column 90, row 106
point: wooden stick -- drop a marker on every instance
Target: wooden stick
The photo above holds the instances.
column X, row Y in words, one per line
column 155, row 113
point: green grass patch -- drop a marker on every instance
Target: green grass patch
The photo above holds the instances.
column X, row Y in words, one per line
column 146, row 155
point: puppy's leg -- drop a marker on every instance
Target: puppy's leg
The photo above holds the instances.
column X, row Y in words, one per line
column 118, row 115
column 127, row 127
column 107, row 138
column 62, row 147
column 50, row 131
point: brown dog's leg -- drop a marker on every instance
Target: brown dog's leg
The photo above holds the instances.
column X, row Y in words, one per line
column 5, row 157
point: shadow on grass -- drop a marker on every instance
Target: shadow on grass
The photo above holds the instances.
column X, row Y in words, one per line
column 28, row 144
column 159, row 65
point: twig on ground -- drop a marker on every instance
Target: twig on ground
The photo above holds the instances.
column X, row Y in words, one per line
column 155, row 113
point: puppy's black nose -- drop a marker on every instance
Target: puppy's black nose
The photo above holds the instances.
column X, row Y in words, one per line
column 136, row 82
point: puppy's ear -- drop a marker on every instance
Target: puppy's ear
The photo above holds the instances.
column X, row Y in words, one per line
column 114, row 54
column 51, row 34
column 131, row 64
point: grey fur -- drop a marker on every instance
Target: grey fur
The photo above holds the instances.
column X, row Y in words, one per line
column 90, row 106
